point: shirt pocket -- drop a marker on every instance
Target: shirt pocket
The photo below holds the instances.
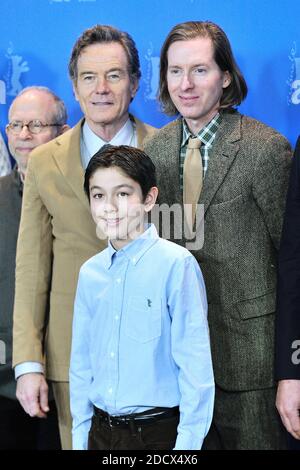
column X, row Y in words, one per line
column 143, row 319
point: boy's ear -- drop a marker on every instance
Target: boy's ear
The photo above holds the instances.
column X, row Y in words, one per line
column 151, row 198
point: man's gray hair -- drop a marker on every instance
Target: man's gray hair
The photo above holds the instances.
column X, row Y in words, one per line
column 60, row 115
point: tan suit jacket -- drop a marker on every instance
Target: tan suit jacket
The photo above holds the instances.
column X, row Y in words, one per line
column 57, row 235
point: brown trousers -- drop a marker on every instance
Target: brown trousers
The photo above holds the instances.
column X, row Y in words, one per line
column 161, row 434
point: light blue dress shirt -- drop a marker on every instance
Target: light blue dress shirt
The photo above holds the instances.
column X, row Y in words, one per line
column 141, row 339
column 90, row 142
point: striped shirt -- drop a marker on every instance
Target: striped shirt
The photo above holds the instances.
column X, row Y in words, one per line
column 5, row 167
column 207, row 135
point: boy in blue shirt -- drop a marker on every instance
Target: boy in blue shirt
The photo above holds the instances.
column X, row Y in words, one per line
column 141, row 373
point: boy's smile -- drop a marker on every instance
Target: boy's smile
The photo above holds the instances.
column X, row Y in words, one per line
column 117, row 206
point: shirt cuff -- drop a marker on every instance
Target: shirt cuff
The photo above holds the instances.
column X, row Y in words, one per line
column 79, row 441
column 28, row 368
column 186, row 442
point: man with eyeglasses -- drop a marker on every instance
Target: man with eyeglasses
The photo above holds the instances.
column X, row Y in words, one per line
column 32, row 122
column 57, row 233
column 36, row 116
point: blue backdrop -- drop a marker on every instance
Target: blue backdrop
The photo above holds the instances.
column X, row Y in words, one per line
column 36, row 38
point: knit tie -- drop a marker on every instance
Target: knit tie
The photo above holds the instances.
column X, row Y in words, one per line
column 192, row 179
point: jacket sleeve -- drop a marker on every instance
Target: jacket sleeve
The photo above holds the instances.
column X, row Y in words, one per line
column 33, row 273
column 271, row 175
column 191, row 352
column 288, row 286
column 80, row 368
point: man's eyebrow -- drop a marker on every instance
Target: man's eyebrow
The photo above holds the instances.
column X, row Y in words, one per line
column 86, row 72
column 200, row 64
column 112, row 69
column 115, row 69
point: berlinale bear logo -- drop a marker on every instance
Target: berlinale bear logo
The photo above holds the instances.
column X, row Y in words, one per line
column 294, row 78
column 2, row 92
column 152, row 74
column 11, row 84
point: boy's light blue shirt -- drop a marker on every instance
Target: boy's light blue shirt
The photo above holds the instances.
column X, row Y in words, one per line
column 141, row 339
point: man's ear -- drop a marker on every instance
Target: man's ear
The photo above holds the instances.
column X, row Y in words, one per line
column 151, row 198
column 64, row 129
column 226, row 79
column 134, row 86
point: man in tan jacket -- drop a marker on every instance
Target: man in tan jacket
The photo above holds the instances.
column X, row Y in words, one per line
column 57, row 233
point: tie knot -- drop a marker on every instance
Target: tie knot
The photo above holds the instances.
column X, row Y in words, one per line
column 194, row 143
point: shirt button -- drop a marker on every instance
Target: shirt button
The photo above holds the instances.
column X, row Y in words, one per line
column 133, row 260
column 110, row 390
column 112, row 354
column 117, row 317
column 118, row 280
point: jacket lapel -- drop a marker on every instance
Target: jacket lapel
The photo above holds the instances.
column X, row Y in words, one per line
column 169, row 185
column 68, row 159
column 223, row 153
column 141, row 131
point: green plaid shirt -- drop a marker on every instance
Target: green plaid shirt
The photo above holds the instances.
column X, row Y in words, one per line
column 207, row 135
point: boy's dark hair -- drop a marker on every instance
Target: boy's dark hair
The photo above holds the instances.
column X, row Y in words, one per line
column 132, row 161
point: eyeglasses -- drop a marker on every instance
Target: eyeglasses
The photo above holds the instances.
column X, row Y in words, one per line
column 35, row 126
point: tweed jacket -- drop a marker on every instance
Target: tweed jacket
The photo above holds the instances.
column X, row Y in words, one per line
column 243, row 194
column 288, row 288
column 10, row 210
column 57, row 235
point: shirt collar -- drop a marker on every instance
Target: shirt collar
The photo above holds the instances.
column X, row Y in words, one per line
column 207, row 134
column 94, row 143
column 135, row 250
